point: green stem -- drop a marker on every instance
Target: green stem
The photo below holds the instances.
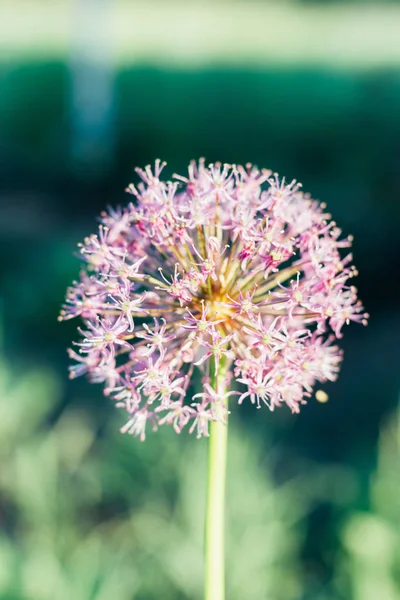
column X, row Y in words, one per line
column 215, row 507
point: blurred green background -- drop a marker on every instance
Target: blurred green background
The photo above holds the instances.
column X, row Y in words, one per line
column 88, row 90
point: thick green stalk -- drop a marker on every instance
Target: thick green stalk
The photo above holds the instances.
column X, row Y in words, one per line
column 215, row 507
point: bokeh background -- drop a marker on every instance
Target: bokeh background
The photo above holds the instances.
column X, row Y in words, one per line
column 88, row 90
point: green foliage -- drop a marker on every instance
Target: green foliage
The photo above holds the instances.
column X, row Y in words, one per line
column 93, row 516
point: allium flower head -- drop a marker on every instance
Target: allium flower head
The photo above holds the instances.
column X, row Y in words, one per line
column 229, row 270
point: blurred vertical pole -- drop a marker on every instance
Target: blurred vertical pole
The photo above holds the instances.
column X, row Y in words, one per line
column 91, row 87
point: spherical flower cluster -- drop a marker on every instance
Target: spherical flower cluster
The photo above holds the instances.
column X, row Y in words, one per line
column 227, row 269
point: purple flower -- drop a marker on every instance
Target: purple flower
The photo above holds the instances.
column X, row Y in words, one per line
column 228, row 264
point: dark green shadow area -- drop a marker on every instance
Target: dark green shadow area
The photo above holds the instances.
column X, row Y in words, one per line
column 338, row 133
